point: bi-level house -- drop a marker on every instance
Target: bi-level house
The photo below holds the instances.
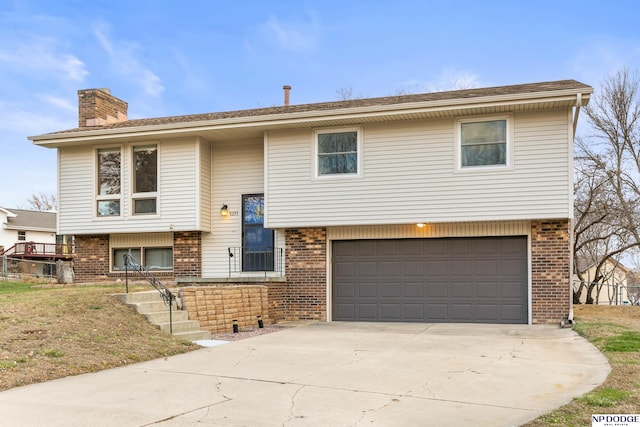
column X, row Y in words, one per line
column 438, row 207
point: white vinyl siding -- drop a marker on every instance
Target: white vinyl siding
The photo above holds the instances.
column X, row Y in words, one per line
column 179, row 173
column 205, row 186
column 237, row 169
column 408, row 176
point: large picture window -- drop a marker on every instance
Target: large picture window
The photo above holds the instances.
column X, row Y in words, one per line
column 109, row 182
column 483, row 143
column 337, row 153
column 145, row 179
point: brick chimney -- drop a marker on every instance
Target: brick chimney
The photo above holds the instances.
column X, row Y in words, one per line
column 286, row 89
column 97, row 107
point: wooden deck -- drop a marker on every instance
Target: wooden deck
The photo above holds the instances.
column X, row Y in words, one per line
column 35, row 250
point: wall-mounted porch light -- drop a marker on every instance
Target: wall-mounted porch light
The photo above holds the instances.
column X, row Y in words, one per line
column 224, row 210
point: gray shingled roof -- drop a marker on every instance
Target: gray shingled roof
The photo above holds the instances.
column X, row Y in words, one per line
column 32, row 219
column 338, row 105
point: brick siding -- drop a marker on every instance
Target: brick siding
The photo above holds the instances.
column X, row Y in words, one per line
column 550, row 274
column 91, row 260
column 187, row 253
column 215, row 307
column 304, row 295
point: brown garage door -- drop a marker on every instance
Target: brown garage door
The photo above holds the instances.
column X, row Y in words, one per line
column 479, row 280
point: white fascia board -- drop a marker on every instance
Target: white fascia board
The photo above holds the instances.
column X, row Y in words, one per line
column 278, row 120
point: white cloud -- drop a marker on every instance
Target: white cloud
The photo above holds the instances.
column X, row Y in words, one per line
column 297, row 36
column 42, row 55
column 124, row 59
column 59, row 103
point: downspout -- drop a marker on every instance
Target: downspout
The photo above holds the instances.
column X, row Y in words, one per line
column 569, row 322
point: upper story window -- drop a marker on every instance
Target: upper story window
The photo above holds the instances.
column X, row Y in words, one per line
column 483, row 143
column 22, row 235
column 145, row 179
column 109, row 181
column 338, row 152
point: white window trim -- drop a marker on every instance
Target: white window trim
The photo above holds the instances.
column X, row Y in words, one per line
column 149, row 195
column 107, row 197
column 315, row 160
column 458, row 168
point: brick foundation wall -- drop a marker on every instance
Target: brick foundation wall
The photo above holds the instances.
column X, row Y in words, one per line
column 304, row 296
column 215, row 307
column 91, row 260
column 550, row 273
column 187, row 254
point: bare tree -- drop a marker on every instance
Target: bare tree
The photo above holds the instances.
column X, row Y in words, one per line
column 42, row 202
column 607, row 195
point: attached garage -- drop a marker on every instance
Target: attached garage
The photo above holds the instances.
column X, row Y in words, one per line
column 473, row 280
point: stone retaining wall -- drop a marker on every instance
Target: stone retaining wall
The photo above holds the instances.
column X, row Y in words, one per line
column 215, row 307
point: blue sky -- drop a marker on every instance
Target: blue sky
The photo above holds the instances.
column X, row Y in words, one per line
column 182, row 57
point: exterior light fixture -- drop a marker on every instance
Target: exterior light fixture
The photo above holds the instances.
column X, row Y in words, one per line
column 420, row 225
column 224, row 210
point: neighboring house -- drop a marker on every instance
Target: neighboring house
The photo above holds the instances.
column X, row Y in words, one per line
column 19, row 226
column 611, row 288
column 438, row 207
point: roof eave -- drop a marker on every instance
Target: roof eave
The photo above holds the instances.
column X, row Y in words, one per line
column 284, row 119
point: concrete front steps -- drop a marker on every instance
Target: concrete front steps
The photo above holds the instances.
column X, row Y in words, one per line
column 151, row 306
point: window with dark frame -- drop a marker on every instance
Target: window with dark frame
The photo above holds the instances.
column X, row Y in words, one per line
column 152, row 258
column 22, row 235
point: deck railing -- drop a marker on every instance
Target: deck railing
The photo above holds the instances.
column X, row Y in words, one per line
column 40, row 250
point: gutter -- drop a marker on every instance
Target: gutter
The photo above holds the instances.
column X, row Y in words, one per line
column 576, row 113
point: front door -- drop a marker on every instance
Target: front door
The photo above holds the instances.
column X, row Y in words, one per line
column 257, row 241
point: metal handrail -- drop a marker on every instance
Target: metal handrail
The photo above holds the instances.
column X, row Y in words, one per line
column 168, row 297
column 251, row 259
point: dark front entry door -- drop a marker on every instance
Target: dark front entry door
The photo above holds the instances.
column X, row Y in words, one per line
column 257, row 241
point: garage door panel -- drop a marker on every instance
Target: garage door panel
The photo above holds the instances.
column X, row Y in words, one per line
column 431, row 280
column 367, row 269
column 437, row 312
column 436, row 289
column 486, row 268
column 413, row 290
column 412, row 268
column 436, row 268
column 367, row 290
column 390, row 312
column 348, row 290
column 487, row 290
column 390, row 290
column 413, row 312
column 367, row 311
column 345, row 310
column 459, row 312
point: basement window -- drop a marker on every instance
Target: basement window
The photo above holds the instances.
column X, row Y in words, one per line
column 151, row 258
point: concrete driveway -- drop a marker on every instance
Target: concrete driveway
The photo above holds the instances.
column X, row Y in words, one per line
column 332, row 374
